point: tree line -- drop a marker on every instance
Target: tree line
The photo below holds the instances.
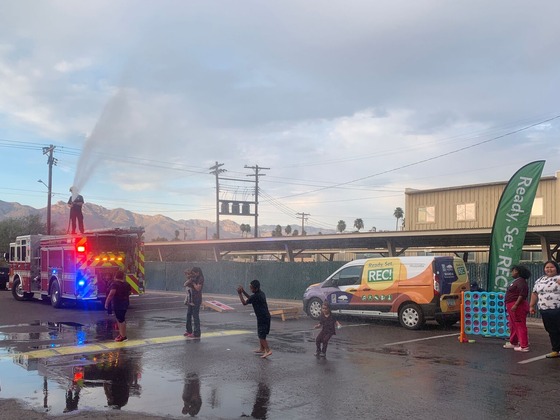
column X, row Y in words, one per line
column 12, row 227
column 340, row 227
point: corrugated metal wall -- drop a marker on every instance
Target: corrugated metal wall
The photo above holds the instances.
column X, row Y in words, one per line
column 485, row 197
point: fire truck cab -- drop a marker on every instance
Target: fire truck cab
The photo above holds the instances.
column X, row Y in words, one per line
column 75, row 267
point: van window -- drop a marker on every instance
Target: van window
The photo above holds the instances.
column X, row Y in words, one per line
column 348, row 276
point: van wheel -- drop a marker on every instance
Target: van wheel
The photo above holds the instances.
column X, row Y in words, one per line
column 314, row 308
column 17, row 290
column 411, row 316
column 56, row 300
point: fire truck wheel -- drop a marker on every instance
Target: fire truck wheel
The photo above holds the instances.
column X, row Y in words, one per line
column 17, row 290
column 56, row 300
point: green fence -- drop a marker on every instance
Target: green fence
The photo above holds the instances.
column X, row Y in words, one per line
column 280, row 280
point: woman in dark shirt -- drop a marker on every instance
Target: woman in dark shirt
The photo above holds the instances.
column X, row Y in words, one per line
column 517, row 309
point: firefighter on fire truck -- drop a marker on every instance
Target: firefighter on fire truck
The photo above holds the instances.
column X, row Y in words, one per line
column 75, row 202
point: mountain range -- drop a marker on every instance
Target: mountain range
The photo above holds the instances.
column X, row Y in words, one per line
column 156, row 227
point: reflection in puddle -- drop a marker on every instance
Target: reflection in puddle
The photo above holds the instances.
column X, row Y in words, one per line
column 260, row 408
column 117, row 373
column 124, row 379
column 192, row 401
column 54, row 334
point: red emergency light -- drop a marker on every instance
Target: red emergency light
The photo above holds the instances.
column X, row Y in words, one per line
column 78, row 375
column 81, row 249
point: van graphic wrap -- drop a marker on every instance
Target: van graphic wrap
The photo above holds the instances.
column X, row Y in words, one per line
column 410, row 289
column 447, row 276
column 462, row 277
column 380, row 275
column 339, row 298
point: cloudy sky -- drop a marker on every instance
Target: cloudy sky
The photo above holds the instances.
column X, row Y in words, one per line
column 346, row 102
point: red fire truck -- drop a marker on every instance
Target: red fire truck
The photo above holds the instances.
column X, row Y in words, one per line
column 75, row 267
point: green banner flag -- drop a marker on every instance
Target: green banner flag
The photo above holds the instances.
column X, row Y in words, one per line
column 510, row 224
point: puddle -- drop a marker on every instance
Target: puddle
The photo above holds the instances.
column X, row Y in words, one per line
column 43, row 335
column 119, row 380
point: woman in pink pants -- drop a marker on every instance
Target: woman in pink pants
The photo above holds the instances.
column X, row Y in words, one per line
column 517, row 309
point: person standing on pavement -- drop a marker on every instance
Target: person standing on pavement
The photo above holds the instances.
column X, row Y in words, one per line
column 193, row 309
column 546, row 292
column 328, row 325
column 260, row 307
column 517, row 309
column 119, row 299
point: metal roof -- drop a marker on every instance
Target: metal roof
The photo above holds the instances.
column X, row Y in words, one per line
column 392, row 243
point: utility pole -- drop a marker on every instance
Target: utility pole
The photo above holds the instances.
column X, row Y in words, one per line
column 217, row 171
column 50, row 161
column 303, row 218
column 256, row 168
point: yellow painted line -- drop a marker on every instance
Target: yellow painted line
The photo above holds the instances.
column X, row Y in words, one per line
column 112, row 345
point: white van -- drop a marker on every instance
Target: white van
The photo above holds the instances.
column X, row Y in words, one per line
column 410, row 289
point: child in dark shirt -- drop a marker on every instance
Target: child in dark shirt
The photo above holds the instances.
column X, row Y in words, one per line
column 329, row 325
column 258, row 300
column 118, row 298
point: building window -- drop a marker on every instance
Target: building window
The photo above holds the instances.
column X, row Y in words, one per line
column 466, row 212
column 426, row 214
column 537, row 209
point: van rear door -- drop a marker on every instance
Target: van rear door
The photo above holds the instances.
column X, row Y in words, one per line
column 451, row 277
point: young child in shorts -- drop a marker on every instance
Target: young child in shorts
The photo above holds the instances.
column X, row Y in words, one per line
column 260, row 307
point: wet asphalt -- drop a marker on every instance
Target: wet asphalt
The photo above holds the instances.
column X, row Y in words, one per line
column 64, row 362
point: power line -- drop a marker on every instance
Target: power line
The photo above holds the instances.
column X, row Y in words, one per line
column 428, row 159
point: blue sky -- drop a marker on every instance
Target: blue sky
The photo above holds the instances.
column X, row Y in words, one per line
column 347, row 103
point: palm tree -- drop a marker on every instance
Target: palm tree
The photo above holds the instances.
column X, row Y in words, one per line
column 359, row 224
column 277, row 231
column 245, row 229
column 341, row 226
column 399, row 214
column 288, row 230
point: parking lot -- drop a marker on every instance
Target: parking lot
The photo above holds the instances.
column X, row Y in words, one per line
column 64, row 360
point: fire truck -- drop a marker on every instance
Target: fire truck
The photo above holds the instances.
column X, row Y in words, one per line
column 75, row 267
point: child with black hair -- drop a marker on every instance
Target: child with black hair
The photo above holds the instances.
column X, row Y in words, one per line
column 329, row 325
column 258, row 300
column 118, row 297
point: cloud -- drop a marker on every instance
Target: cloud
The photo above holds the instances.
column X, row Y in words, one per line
column 347, row 104
column 69, row 67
